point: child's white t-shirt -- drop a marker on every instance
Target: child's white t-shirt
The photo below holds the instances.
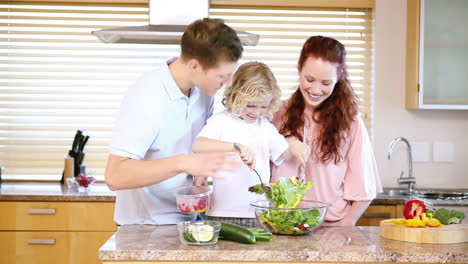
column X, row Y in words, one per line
column 231, row 195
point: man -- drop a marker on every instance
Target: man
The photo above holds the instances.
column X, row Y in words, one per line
column 150, row 153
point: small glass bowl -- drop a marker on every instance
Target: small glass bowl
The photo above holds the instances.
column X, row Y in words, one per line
column 193, row 199
column 200, row 233
column 303, row 219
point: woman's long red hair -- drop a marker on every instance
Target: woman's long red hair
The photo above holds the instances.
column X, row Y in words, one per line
column 333, row 116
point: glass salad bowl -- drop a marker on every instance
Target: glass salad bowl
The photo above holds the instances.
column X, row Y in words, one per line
column 193, row 199
column 199, row 232
column 301, row 220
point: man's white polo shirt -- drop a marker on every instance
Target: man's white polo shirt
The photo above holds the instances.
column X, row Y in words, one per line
column 156, row 120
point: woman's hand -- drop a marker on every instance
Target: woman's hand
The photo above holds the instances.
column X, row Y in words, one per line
column 342, row 222
column 246, row 154
column 351, row 218
column 299, row 151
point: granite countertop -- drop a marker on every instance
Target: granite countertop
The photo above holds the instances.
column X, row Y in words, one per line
column 326, row 244
column 53, row 192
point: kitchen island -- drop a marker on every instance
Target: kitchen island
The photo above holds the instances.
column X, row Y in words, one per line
column 160, row 244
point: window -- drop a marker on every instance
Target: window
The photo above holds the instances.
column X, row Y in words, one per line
column 56, row 77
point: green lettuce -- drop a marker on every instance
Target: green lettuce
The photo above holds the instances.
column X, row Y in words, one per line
column 287, row 193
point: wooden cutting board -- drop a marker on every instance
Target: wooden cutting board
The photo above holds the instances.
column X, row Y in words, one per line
column 448, row 234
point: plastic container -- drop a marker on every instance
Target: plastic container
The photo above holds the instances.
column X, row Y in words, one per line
column 200, row 233
column 303, row 219
column 193, row 199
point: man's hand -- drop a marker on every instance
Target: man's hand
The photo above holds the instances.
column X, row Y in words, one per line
column 208, row 164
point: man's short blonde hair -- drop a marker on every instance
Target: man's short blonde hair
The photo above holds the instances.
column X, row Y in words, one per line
column 252, row 80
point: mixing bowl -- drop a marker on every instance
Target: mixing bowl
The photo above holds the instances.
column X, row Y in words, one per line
column 301, row 220
column 199, row 232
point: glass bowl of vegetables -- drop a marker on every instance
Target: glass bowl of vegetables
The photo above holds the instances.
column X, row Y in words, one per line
column 193, row 199
column 300, row 220
column 199, row 233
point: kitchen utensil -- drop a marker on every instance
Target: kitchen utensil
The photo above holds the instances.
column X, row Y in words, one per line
column 304, row 140
column 83, row 143
column 76, row 152
column 448, row 234
column 301, row 220
column 76, row 141
column 265, row 187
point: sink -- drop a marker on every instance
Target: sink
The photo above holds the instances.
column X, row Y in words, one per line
column 442, row 195
column 395, row 192
column 427, row 194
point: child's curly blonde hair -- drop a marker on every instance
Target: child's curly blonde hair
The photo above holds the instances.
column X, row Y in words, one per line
column 251, row 81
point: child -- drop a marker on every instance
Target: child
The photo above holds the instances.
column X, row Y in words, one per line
column 244, row 126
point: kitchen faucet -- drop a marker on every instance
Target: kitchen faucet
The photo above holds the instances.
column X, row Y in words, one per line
column 1, row 171
column 410, row 180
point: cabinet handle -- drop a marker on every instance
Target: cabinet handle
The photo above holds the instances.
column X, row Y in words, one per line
column 40, row 241
column 35, row 211
column 377, row 215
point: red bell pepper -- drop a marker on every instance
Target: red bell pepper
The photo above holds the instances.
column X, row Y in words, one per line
column 414, row 208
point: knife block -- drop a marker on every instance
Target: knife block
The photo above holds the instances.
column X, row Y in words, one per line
column 79, row 167
column 68, row 170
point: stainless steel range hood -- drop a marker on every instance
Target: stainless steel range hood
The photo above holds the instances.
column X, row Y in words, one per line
column 167, row 24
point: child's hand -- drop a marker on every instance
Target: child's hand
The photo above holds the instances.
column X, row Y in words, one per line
column 200, row 181
column 247, row 155
column 300, row 151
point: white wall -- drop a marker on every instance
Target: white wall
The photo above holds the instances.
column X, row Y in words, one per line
column 393, row 120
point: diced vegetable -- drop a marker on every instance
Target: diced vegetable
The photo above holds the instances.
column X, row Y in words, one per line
column 414, row 208
column 198, row 233
column 422, row 221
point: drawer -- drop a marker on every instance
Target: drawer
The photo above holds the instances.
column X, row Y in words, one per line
column 57, row 216
column 376, row 213
column 52, row 247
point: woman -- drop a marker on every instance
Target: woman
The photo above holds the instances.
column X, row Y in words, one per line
column 342, row 166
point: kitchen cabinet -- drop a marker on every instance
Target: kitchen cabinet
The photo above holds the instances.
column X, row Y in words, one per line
column 54, row 232
column 436, row 54
column 376, row 213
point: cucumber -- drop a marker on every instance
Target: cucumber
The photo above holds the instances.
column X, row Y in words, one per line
column 261, row 234
column 237, row 233
column 189, row 237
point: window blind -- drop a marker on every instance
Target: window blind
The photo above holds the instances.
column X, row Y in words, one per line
column 283, row 31
column 55, row 77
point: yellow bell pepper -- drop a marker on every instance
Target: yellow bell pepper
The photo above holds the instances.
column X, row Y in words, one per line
column 426, row 220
